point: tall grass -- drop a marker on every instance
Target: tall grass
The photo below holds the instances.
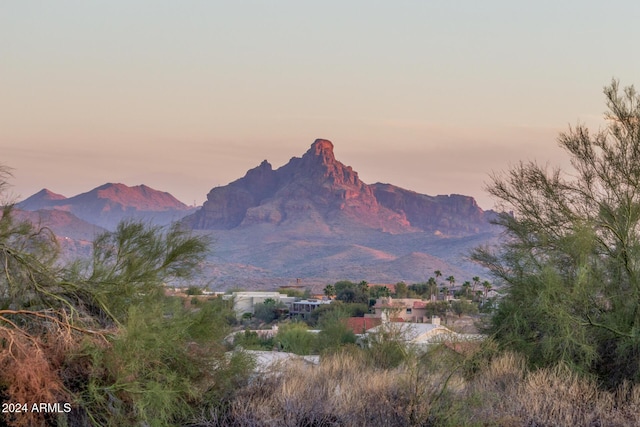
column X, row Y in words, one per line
column 346, row 389
column 512, row 395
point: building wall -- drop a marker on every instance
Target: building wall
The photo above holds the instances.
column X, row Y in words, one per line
column 244, row 302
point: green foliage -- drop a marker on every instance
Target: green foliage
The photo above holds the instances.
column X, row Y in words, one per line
column 570, row 263
column 343, row 284
column 250, row 340
column 269, row 310
column 296, row 338
column 130, row 265
column 437, row 308
column 349, row 310
column 194, row 290
column 462, row 306
column 350, row 292
column 334, row 333
column 329, row 291
column 144, row 372
column 425, row 289
column 378, row 291
column 387, row 348
column 420, row 289
column 401, row 290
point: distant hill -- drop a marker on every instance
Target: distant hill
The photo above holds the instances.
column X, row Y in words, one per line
column 314, row 219
column 63, row 224
column 108, row 204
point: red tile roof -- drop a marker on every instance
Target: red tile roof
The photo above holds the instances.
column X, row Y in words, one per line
column 359, row 325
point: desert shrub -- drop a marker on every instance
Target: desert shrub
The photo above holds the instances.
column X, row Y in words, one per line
column 296, row 338
column 334, row 333
column 387, row 347
column 160, row 366
column 344, row 389
column 506, row 392
column 194, row 290
column 427, row 389
column 250, row 340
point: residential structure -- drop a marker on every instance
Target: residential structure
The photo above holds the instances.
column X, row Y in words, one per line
column 303, row 308
column 360, row 325
column 244, row 302
column 407, row 309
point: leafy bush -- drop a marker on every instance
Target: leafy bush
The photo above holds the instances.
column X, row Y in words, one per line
column 296, row 338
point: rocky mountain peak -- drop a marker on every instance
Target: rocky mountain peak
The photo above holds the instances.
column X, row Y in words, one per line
column 322, row 149
column 317, row 192
column 320, row 165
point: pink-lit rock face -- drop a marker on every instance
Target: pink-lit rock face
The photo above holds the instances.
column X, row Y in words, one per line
column 318, row 189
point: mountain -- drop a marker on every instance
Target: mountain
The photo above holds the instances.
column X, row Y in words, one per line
column 41, row 200
column 107, row 205
column 63, row 224
column 324, row 195
column 314, row 219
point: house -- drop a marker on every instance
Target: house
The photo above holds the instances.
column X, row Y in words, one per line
column 303, row 308
column 244, row 302
column 360, row 325
column 407, row 309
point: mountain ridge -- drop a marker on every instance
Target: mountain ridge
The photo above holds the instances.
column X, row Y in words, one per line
column 318, row 189
column 311, row 220
column 110, row 203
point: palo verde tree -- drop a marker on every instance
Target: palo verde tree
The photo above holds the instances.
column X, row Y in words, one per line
column 570, row 261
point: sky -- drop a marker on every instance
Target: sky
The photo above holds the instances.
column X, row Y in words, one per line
column 183, row 96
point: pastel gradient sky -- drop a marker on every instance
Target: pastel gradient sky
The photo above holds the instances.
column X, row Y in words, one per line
column 186, row 95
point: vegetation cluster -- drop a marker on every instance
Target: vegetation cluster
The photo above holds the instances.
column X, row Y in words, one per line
column 100, row 337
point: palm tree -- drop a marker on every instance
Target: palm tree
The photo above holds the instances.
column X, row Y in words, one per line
column 433, row 287
column 364, row 287
column 466, row 287
column 438, row 274
column 329, row 291
column 487, row 287
column 476, row 282
column 452, row 281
